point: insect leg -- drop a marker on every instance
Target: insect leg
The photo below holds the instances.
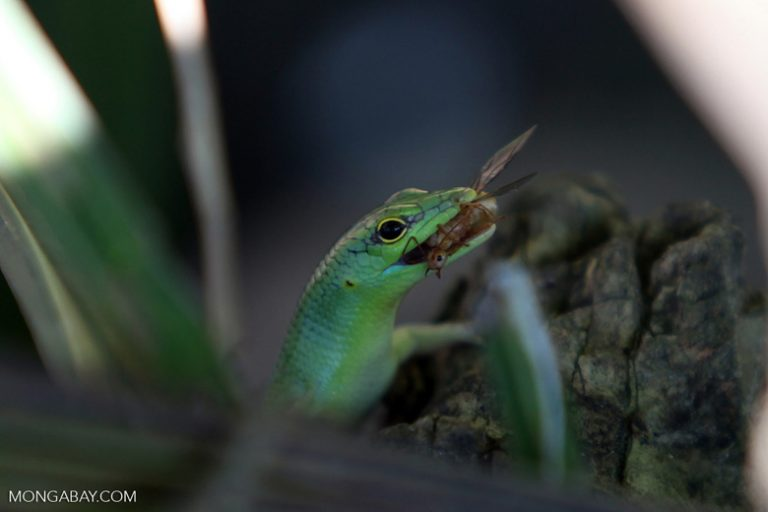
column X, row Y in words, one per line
column 405, row 249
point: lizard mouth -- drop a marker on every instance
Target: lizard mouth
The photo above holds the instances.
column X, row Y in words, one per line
column 473, row 219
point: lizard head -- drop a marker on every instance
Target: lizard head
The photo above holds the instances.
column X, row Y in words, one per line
column 391, row 245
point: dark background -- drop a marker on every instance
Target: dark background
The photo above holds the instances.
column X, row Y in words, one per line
column 329, row 107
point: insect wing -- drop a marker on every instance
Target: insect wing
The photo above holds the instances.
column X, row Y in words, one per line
column 497, row 162
column 509, row 187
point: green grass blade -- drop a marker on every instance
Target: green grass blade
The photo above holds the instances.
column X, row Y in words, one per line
column 90, row 243
column 523, row 366
column 46, row 303
column 184, row 28
column 52, row 439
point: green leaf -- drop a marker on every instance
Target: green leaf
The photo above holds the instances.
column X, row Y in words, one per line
column 104, row 299
column 523, row 367
column 51, row 312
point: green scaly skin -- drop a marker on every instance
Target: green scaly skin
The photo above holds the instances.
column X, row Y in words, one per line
column 342, row 347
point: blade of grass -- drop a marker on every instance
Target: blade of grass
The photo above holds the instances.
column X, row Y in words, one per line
column 277, row 464
column 47, row 305
column 113, row 277
column 184, row 29
column 52, row 439
column 523, row 366
column 180, row 459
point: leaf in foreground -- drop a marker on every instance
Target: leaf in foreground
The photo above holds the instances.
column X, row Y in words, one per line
column 102, row 295
column 523, row 368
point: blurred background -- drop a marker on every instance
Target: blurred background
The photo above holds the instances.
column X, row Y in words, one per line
column 331, row 107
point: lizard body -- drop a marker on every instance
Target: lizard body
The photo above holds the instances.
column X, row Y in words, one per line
column 342, row 348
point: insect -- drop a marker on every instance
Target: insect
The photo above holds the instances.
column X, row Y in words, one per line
column 479, row 214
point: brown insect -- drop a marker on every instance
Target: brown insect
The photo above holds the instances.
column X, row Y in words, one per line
column 475, row 217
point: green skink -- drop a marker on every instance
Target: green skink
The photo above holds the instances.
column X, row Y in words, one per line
column 342, row 347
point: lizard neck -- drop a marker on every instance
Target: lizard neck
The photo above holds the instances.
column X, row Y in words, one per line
column 339, row 341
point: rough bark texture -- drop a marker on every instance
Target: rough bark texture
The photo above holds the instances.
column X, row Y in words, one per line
column 660, row 349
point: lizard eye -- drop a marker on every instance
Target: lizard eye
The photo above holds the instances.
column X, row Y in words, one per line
column 391, row 229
